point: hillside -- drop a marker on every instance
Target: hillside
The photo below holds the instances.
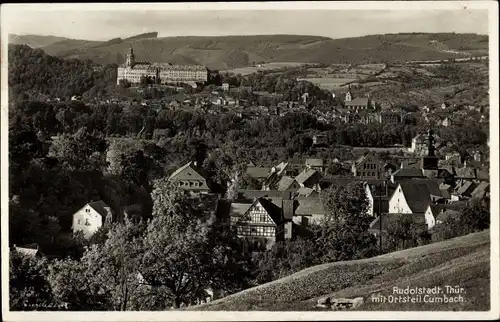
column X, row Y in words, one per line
column 226, row 52
column 34, row 73
column 463, row 261
column 34, row 41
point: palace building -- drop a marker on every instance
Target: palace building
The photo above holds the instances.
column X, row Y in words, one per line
column 132, row 71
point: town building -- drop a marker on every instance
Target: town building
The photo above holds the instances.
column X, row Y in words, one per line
column 259, row 223
column 133, row 70
column 91, row 217
column 356, row 103
column 191, row 178
column 390, row 118
column 368, row 167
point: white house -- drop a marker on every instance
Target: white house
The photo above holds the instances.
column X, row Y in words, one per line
column 91, row 217
column 410, row 197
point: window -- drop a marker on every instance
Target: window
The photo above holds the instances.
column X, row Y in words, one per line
column 79, row 221
column 87, row 222
column 87, row 210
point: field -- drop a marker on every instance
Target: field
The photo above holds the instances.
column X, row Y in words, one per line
column 463, row 261
column 262, row 67
column 328, row 83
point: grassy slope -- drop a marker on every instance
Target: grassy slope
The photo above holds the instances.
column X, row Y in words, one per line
column 239, row 51
column 461, row 261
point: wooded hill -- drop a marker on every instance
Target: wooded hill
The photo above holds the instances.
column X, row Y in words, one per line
column 237, row 51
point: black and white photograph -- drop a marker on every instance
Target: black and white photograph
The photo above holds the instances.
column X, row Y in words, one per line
column 250, row 161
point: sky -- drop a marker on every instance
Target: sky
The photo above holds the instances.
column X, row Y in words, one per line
column 106, row 23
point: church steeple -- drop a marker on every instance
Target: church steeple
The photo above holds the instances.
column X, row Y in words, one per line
column 430, row 143
column 430, row 162
column 130, row 57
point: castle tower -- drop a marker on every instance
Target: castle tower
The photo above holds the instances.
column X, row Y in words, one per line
column 130, row 57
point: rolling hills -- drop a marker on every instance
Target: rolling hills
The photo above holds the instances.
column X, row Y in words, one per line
column 224, row 52
column 463, row 261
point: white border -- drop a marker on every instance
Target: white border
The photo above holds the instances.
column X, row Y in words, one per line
column 10, row 11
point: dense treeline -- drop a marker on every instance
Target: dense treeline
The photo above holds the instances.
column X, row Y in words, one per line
column 31, row 71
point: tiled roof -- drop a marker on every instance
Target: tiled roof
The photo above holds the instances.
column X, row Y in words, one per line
column 100, row 207
column 466, row 188
column 258, row 172
column 288, row 209
column 28, row 250
column 252, row 194
column 308, row 175
column 481, row 190
column 188, row 172
column 408, row 173
column 310, row 207
column 314, row 162
column 239, row 209
column 306, row 192
column 432, row 185
column 272, row 209
column 417, row 195
column 285, row 183
column 358, row 101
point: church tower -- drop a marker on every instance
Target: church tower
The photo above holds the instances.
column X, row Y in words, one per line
column 348, row 95
column 130, row 57
column 430, row 162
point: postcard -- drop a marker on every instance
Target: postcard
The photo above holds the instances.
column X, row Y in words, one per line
column 250, row 161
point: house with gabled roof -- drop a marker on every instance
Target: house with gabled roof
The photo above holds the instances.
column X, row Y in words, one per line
column 315, row 164
column 434, row 211
column 91, row 217
column 309, row 178
column 409, row 198
column 261, row 222
column 192, row 178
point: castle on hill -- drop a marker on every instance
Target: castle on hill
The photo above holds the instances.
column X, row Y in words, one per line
column 133, row 70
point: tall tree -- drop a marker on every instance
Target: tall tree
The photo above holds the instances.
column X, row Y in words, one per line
column 344, row 231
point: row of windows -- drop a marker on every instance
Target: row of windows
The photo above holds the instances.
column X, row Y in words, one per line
column 256, row 231
column 190, row 184
column 368, row 174
column 369, row 166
